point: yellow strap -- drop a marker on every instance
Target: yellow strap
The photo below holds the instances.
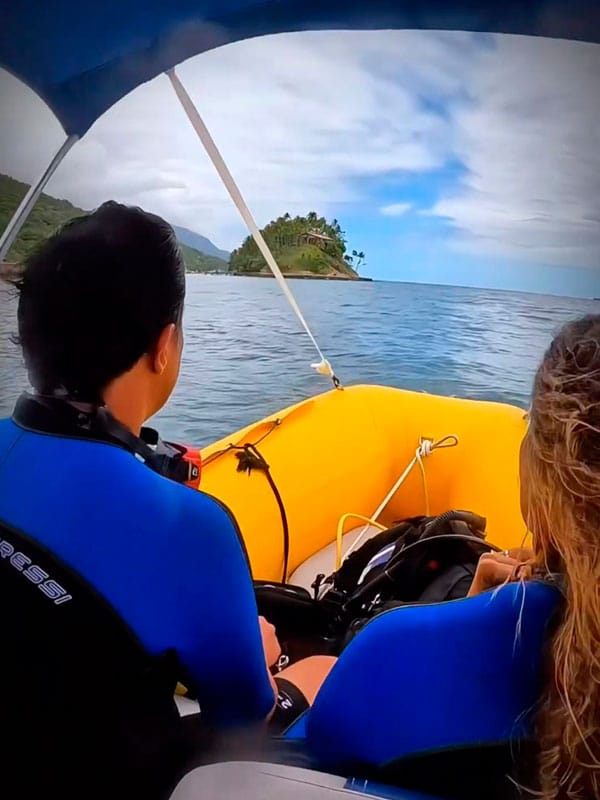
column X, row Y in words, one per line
column 340, row 533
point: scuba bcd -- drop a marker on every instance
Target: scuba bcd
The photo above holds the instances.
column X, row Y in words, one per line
column 450, row 538
column 420, row 560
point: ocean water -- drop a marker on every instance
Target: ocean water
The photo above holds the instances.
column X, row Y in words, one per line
column 246, row 355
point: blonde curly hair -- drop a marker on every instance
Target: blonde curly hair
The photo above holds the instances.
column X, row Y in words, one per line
column 560, row 493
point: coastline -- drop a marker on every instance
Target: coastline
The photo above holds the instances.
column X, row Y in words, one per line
column 10, row 271
column 301, row 276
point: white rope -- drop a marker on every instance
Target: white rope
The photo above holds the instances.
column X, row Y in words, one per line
column 426, row 448
column 323, row 367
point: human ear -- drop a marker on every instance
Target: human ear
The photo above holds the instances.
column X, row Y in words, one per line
column 163, row 348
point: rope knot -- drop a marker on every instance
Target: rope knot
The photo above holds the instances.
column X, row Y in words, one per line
column 249, row 458
column 425, row 448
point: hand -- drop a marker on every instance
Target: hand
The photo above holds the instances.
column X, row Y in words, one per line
column 495, row 569
column 271, row 645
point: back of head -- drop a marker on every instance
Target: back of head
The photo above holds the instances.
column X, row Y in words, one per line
column 95, row 297
column 561, row 494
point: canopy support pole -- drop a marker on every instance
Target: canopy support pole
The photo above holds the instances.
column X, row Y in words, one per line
column 323, row 367
column 27, row 203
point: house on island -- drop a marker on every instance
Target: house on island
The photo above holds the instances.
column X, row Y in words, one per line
column 315, row 237
column 312, row 237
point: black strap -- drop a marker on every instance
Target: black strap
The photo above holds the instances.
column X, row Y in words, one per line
column 452, row 584
column 249, row 458
column 57, row 416
column 167, row 460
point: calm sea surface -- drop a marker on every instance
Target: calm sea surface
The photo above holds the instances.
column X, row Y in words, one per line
column 246, row 356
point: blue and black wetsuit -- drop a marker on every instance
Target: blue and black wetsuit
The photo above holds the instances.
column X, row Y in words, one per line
column 167, row 558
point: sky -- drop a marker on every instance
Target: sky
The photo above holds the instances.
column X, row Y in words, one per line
column 454, row 158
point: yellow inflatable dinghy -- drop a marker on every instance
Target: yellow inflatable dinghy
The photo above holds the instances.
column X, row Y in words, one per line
column 341, row 453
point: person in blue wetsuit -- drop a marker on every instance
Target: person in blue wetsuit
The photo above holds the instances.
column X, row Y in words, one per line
column 560, row 500
column 100, row 325
column 464, row 698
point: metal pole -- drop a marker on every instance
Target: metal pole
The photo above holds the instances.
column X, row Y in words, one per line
column 20, row 216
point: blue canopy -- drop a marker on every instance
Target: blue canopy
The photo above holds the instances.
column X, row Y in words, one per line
column 81, row 57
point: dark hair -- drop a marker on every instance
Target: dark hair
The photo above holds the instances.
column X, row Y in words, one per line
column 95, row 297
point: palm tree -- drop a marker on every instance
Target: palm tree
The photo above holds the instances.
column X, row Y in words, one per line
column 358, row 259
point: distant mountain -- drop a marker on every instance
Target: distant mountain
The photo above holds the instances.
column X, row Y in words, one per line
column 49, row 214
column 195, row 261
column 200, row 243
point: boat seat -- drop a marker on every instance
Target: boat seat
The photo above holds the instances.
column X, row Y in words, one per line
column 80, row 696
column 262, row 781
column 323, row 561
column 434, row 697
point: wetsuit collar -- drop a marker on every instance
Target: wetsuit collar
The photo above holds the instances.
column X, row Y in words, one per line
column 41, row 414
column 72, row 419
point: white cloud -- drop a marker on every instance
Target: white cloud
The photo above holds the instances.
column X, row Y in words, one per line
column 299, row 118
column 396, row 209
column 302, row 119
column 529, row 139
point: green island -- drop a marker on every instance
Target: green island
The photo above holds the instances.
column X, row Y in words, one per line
column 49, row 214
column 303, row 247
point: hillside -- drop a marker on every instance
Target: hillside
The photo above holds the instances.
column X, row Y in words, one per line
column 200, row 243
column 50, row 213
column 303, row 247
column 200, row 262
